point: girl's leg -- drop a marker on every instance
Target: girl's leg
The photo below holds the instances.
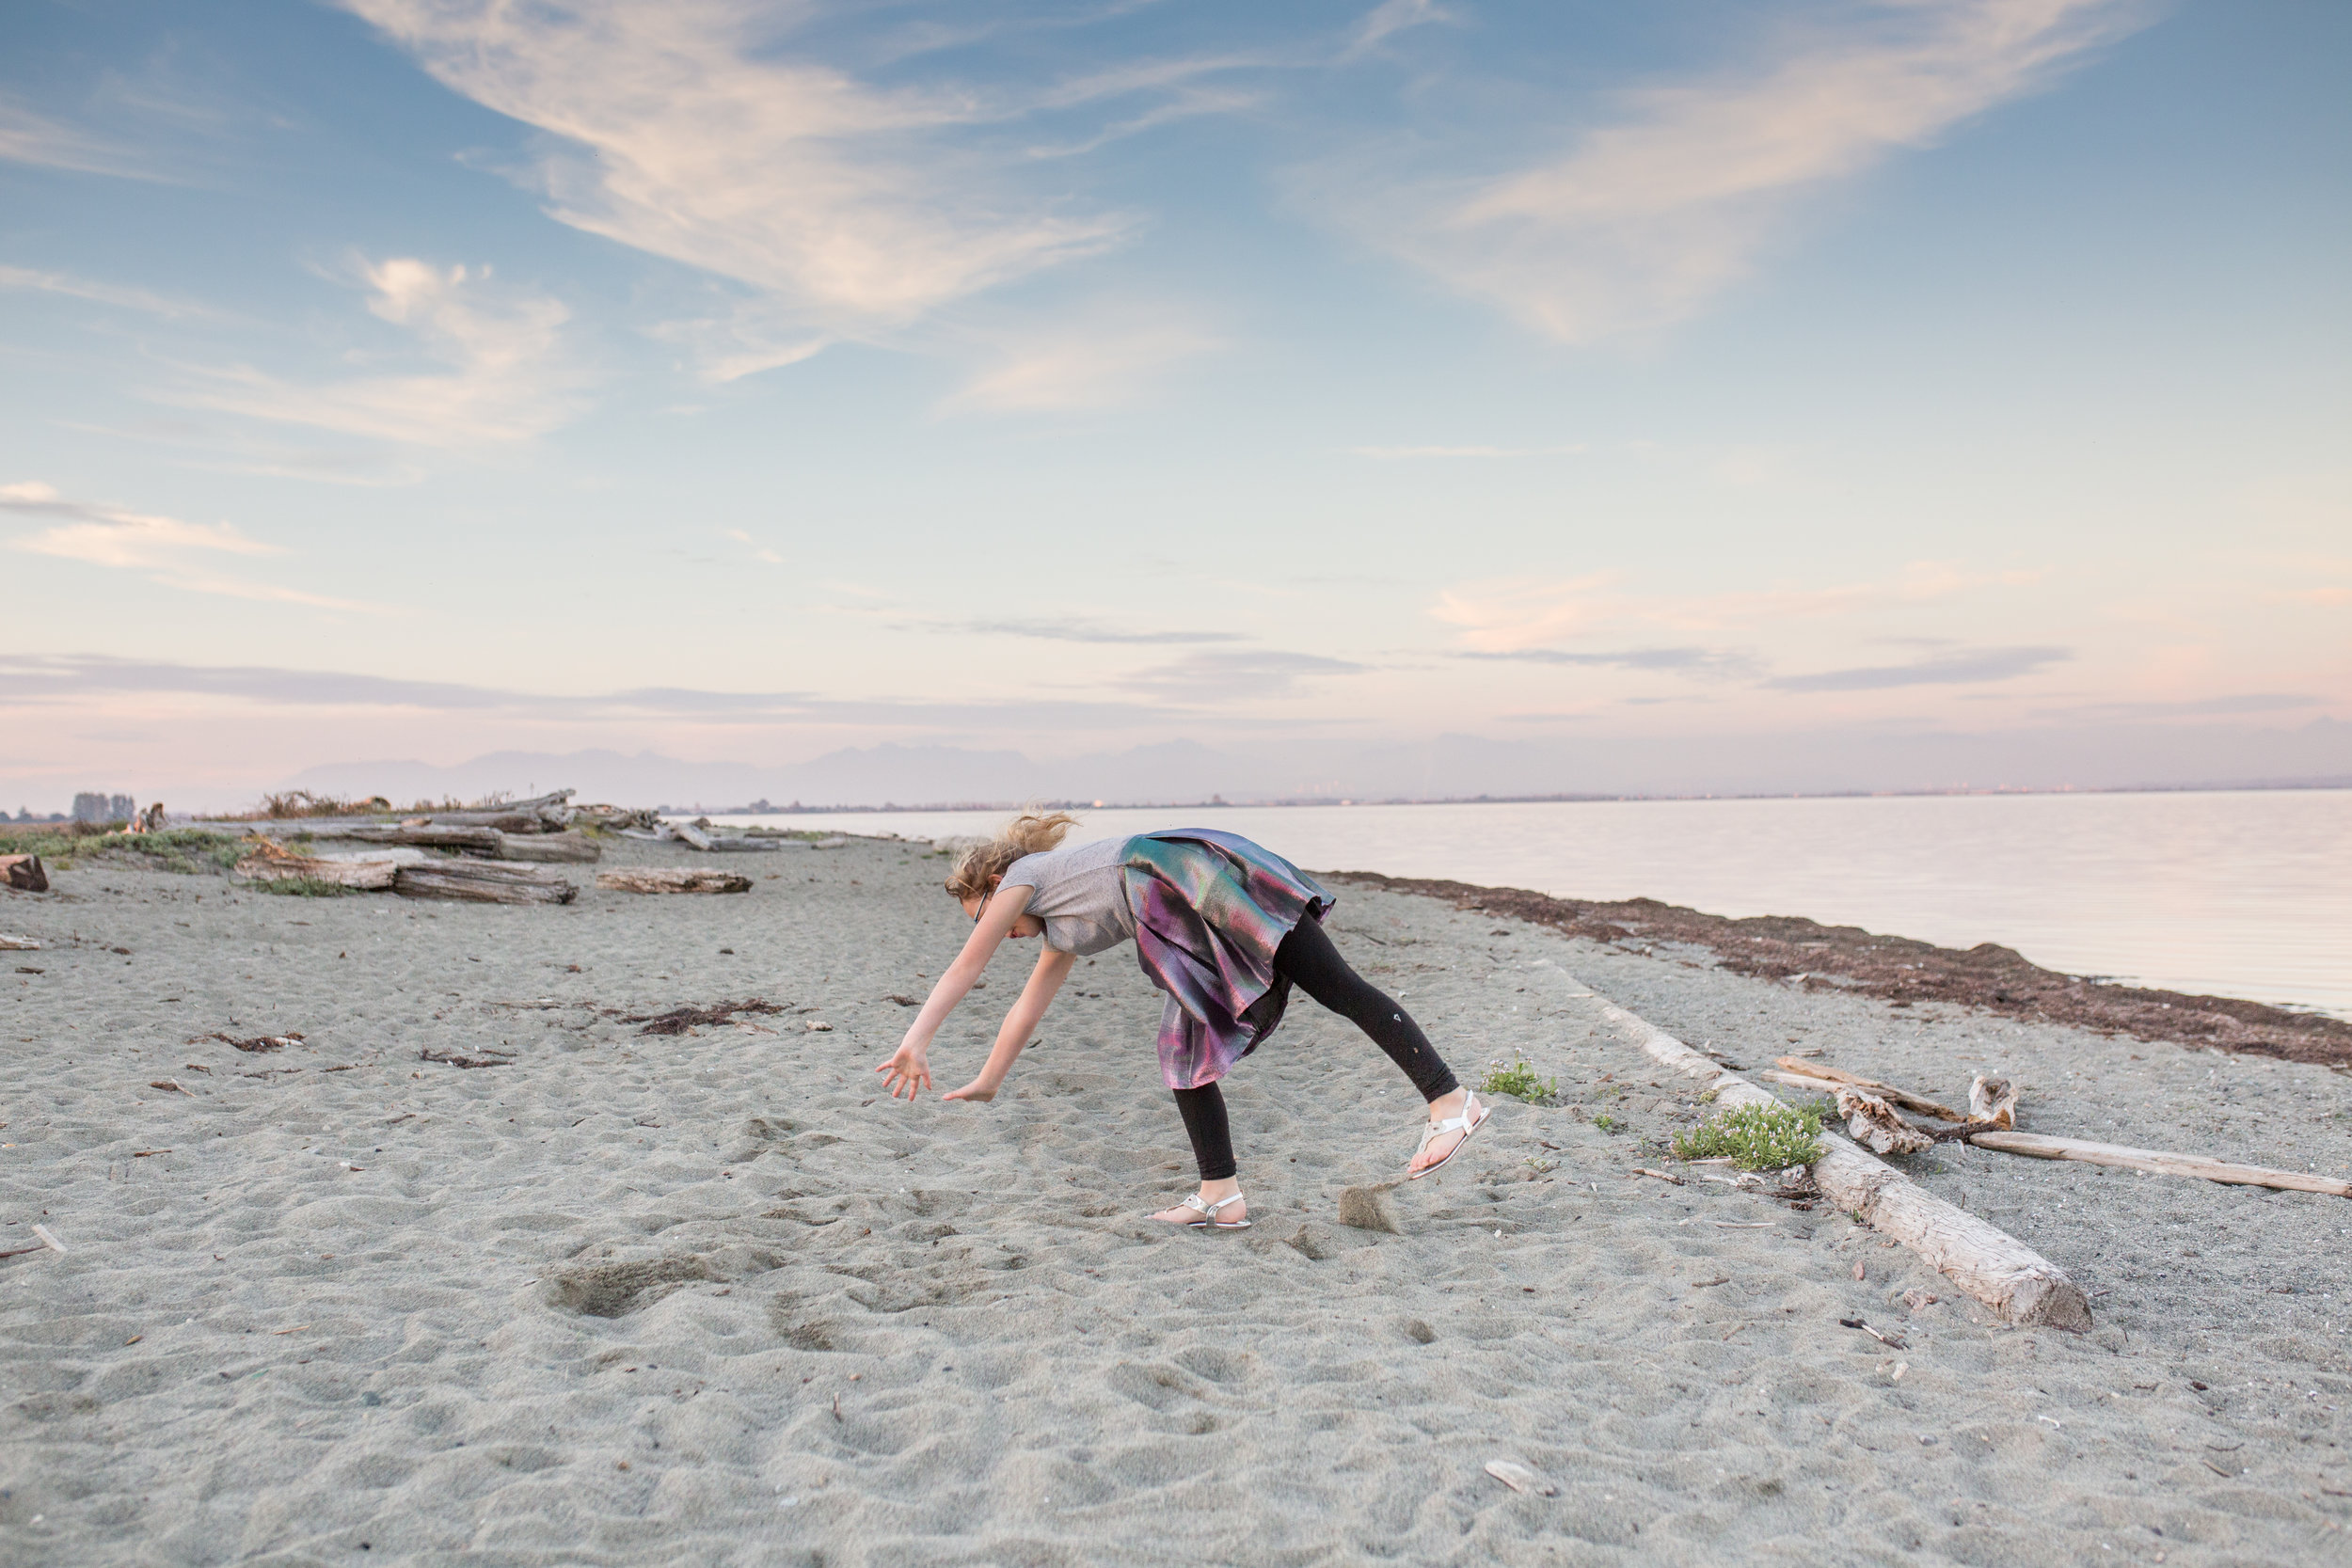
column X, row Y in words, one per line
column 1315, row 967
column 1203, row 1110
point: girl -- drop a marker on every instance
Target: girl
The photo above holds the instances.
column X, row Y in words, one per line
column 1223, row 926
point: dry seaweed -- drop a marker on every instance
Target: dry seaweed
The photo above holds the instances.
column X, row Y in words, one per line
column 1903, row 971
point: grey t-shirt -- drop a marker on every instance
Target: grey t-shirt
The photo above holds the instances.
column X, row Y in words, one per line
column 1079, row 893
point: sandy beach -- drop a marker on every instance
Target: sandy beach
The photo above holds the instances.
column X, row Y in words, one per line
column 703, row 1297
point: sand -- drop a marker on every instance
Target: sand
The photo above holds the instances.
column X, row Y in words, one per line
column 706, row 1298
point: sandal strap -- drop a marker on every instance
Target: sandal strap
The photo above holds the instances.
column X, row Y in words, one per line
column 1464, row 1123
column 1210, row 1209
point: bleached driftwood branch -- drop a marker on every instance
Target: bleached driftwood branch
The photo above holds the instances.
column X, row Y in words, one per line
column 2034, row 1145
column 2017, row 1282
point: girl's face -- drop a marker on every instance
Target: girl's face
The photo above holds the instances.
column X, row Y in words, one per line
column 1026, row 925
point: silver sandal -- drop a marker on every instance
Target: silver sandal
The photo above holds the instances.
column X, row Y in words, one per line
column 1208, row 1220
column 1474, row 1117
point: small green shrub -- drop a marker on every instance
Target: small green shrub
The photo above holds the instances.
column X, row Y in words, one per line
column 1606, row 1122
column 1756, row 1137
column 1518, row 1081
column 301, row 887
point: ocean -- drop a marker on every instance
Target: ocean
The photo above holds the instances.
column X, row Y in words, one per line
column 2230, row 893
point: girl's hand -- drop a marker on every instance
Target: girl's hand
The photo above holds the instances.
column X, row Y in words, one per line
column 908, row 1071
column 977, row 1090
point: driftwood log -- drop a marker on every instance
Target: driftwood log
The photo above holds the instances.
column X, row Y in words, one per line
column 2015, row 1281
column 570, row 849
column 483, row 882
column 23, row 872
column 2034, row 1145
column 649, row 880
column 362, row 876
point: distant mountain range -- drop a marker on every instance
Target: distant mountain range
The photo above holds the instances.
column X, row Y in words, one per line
column 2103, row 756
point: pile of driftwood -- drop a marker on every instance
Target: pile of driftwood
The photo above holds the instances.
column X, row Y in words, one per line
column 467, row 854
column 700, row 835
column 1873, row 1120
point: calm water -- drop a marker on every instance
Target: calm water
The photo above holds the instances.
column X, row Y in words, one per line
column 2232, row 892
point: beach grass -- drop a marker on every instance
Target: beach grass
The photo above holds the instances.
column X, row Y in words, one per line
column 1519, row 1082
column 1756, row 1137
column 187, row 850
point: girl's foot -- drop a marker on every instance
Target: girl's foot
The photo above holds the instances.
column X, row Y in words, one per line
column 1452, row 1118
column 1218, row 1206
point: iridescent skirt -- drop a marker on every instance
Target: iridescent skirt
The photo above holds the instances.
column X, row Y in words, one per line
column 1210, row 909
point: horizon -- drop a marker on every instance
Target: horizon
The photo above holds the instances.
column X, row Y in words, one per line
column 1387, row 399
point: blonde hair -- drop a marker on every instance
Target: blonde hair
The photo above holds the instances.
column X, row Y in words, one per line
column 1032, row 832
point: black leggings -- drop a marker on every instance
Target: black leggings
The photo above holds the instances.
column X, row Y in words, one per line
column 1315, row 967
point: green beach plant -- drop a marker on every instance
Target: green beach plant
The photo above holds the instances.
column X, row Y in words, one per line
column 1756, row 1137
column 1518, row 1081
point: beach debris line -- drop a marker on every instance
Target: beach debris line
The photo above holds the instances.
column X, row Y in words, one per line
column 488, row 1058
column 260, row 1045
column 2017, row 1283
column 1904, row 971
column 678, row 1020
column 23, row 872
column 683, row 880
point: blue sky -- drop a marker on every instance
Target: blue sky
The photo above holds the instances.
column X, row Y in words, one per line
column 416, row 378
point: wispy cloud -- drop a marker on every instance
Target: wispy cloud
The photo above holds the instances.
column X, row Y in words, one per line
column 70, row 287
column 1714, row 663
column 1393, row 453
column 1513, row 615
column 1644, row 220
column 690, row 135
column 1964, row 667
column 2196, row 707
column 1389, row 18
column 1085, row 631
column 509, row 376
column 27, row 138
column 1082, row 364
column 1239, row 676
column 167, row 550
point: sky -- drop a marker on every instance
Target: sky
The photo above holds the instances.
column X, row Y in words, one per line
column 1619, row 393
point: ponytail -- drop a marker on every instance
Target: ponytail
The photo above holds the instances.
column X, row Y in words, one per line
column 1032, row 832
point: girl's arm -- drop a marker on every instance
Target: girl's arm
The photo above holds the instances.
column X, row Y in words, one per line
column 1052, row 969
column 908, row 1069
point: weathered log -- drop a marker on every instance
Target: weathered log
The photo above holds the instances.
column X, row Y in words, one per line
column 574, row 848
column 686, row 832
column 487, row 841
column 369, row 876
column 483, row 882
column 2015, row 1281
column 745, row 843
column 2034, row 1145
column 23, row 872
column 1904, row 1098
column 648, row 880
